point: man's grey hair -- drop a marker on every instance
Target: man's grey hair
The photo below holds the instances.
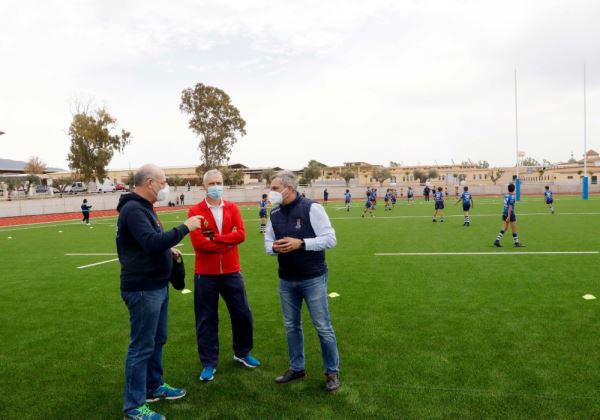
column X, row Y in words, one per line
column 145, row 172
column 288, row 179
column 209, row 173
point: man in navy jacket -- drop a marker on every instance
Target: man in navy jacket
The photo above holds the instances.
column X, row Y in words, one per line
column 146, row 257
column 299, row 232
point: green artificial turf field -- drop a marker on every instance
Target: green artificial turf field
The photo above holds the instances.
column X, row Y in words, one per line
column 437, row 336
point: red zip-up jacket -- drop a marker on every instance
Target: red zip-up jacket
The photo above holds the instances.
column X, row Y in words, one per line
column 220, row 255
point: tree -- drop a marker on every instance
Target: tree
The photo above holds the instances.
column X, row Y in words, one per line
column 200, row 172
column 541, row 171
column 347, row 175
column 130, row 181
column 62, row 182
column 30, row 180
column 394, row 164
column 529, row 161
column 432, row 174
column 381, row 174
column 419, row 175
column 11, row 184
column 215, row 120
column 312, row 171
column 496, row 175
column 35, row 166
column 266, row 175
column 483, row 164
column 93, row 143
column 316, row 163
column 232, row 176
column 174, row 181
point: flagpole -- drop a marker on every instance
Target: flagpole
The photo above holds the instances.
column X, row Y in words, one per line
column 584, row 186
column 518, row 180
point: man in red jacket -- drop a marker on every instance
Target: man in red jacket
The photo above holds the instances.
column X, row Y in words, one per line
column 217, row 272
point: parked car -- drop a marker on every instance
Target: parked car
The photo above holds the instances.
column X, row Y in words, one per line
column 76, row 187
column 41, row 189
column 122, row 187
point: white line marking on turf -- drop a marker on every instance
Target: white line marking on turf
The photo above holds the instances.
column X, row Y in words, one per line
column 98, row 263
column 418, row 254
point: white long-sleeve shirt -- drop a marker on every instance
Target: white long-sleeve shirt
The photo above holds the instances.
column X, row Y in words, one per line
column 319, row 221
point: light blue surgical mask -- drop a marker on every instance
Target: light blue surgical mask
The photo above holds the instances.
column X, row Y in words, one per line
column 215, row 191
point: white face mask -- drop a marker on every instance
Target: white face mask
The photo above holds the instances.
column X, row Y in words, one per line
column 275, row 198
column 163, row 194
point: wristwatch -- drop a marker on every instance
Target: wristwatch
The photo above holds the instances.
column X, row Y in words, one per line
column 303, row 244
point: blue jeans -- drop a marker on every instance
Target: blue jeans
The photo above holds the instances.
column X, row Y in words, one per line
column 143, row 366
column 314, row 293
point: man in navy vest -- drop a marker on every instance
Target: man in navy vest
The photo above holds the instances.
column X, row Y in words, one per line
column 299, row 232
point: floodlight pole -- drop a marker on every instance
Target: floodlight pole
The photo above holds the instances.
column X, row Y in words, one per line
column 584, row 186
column 518, row 180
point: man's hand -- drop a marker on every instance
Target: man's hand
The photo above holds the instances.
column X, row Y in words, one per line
column 193, row 223
column 176, row 253
column 285, row 245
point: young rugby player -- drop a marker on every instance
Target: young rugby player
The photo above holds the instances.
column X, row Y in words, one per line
column 438, row 199
column 262, row 213
column 509, row 216
column 368, row 203
column 467, row 203
column 347, row 199
column 549, row 199
column 387, row 198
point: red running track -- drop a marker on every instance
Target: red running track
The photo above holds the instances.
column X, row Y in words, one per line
column 59, row 217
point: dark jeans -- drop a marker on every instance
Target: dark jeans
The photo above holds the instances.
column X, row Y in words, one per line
column 143, row 366
column 86, row 217
column 207, row 289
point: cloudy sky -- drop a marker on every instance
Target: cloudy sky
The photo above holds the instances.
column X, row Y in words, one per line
column 376, row 81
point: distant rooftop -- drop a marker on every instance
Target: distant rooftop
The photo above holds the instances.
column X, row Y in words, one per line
column 17, row 166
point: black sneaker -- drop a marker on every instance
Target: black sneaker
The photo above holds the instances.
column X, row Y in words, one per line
column 332, row 382
column 497, row 244
column 519, row 245
column 434, row 220
column 289, row 376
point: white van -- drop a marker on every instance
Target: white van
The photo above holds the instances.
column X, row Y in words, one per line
column 75, row 188
column 106, row 186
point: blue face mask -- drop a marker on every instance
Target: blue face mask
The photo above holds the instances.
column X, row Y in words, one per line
column 215, row 191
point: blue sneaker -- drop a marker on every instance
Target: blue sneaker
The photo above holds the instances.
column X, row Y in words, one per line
column 248, row 361
column 165, row 392
column 208, row 374
column 143, row 413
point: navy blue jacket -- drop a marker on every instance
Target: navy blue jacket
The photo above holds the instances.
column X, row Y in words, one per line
column 293, row 220
column 143, row 246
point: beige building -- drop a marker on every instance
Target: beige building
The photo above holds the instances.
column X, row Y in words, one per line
column 403, row 176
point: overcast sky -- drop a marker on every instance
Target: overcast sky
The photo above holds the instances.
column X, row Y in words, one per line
column 376, row 81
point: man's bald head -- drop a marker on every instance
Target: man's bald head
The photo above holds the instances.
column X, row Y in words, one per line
column 149, row 180
column 145, row 172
